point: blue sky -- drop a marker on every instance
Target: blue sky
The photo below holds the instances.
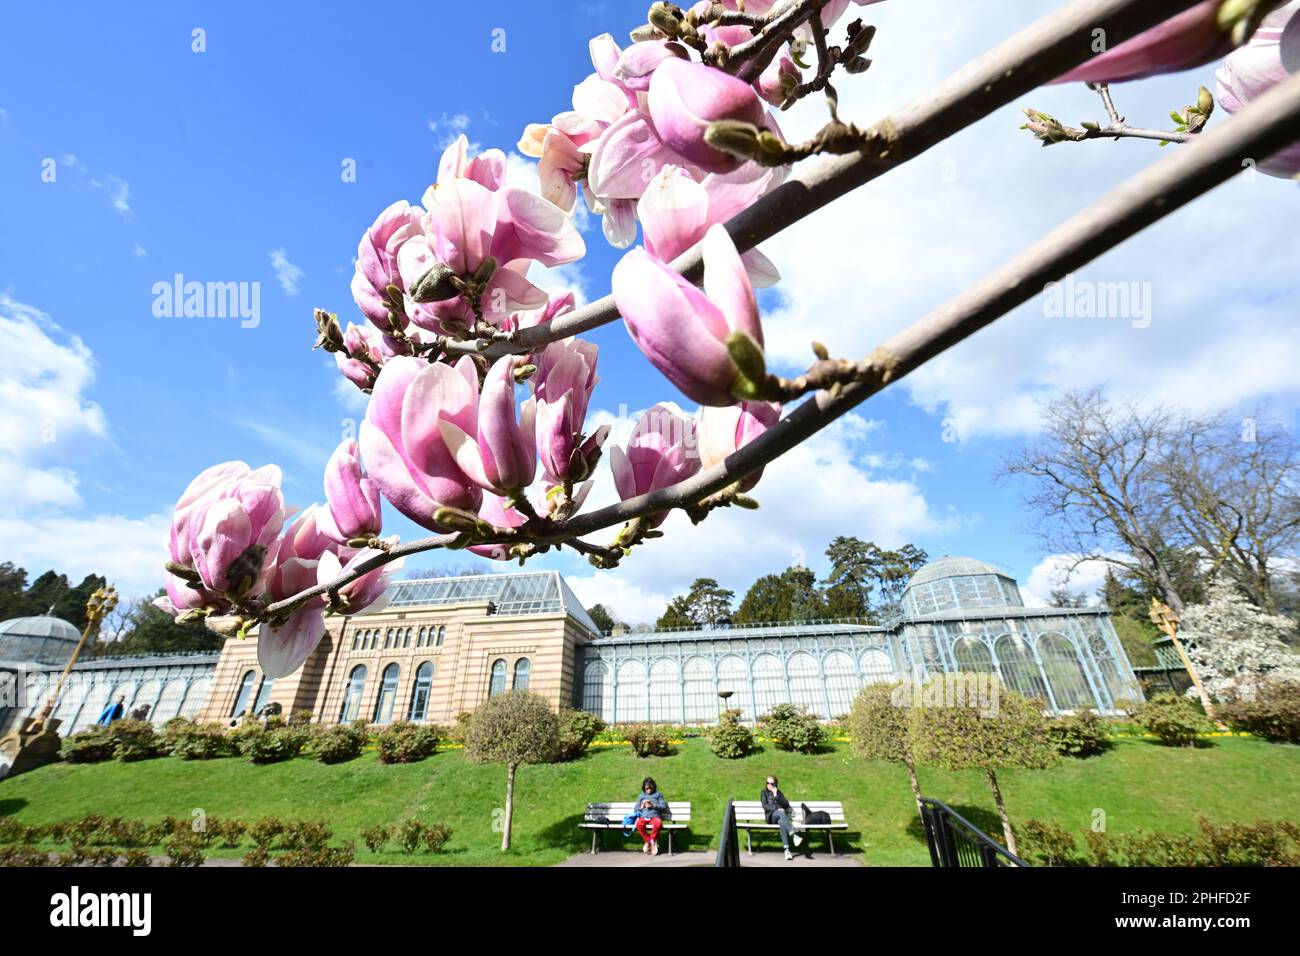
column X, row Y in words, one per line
column 220, row 164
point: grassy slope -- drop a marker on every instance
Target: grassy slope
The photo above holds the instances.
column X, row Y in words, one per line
column 1139, row 784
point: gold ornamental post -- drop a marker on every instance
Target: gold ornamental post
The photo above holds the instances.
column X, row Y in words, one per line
column 1166, row 618
column 36, row 742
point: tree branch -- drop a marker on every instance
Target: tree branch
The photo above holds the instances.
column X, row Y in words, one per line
column 1041, row 52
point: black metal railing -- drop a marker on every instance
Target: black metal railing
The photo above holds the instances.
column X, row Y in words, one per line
column 728, row 839
column 955, row 841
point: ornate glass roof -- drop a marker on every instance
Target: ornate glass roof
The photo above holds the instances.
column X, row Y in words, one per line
column 530, row 592
column 45, row 625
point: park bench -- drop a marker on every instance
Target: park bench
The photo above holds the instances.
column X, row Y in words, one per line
column 609, row 816
column 750, row 816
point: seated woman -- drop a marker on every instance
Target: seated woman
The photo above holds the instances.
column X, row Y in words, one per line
column 649, row 804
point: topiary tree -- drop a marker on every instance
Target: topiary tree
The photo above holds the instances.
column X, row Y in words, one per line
column 994, row 728
column 731, row 739
column 513, row 728
column 879, row 729
column 791, row 727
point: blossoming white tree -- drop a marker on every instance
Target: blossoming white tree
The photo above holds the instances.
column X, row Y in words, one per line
column 1234, row 645
column 676, row 133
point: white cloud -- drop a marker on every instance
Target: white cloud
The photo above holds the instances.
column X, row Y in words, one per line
column 871, row 263
column 139, row 251
column 348, row 395
column 285, row 271
column 449, row 127
column 1054, row 572
column 130, row 552
column 45, row 417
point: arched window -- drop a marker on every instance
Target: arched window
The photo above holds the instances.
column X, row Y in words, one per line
column 388, row 638
column 523, row 667
column 876, row 667
column 769, row 684
column 387, row 694
column 1064, row 673
column 699, row 690
column 842, row 685
column 805, row 682
column 598, row 690
column 357, row 635
column 498, row 684
column 406, row 641
column 632, row 696
column 245, row 693
column 972, row 656
column 1019, row 669
column 169, row 704
column 733, row 675
column 263, row 694
column 442, row 631
column 665, row 692
column 422, row 690
column 419, row 641
column 352, row 697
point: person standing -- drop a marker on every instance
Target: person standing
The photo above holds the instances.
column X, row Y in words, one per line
column 776, row 809
column 649, row 804
column 112, row 711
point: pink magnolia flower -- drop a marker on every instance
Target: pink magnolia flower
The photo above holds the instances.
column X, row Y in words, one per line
column 376, row 269
column 368, row 592
column 224, row 524
column 497, row 452
column 352, row 500
column 1192, row 38
column 1257, row 67
column 676, row 212
column 487, row 169
column 500, row 513
column 558, row 302
column 686, row 97
column 779, row 79
column 401, row 442
column 721, row 431
column 562, row 387
column 690, row 335
column 360, row 341
column 467, row 223
column 660, row 452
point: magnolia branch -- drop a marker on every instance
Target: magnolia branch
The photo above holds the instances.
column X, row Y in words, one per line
column 1049, row 131
column 1269, row 124
column 1041, row 52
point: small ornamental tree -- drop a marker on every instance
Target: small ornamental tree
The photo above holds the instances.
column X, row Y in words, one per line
column 880, row 729
column 1235, row 646
column 954, row 731
column 513, row 728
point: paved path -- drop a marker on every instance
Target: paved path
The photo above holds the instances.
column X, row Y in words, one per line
column 706, row 858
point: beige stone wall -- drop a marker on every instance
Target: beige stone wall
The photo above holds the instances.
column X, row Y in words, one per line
column 472, row 641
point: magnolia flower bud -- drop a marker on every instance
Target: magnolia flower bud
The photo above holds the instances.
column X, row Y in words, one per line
column 685, row 98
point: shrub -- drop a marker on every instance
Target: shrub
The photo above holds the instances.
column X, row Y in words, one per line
column 649, row 740
column 256, row 856
column 1048, row 844
column 376, row 838
column 409, row 835
column 272, row 746
column 305, row 835
column 11, row 831
column 339, row 743
column 319, row 856
column 459, row 732
column 197, row 741
column 134, row 740
column 1273, row 712
column 228, row 832
column 405, row 742
column 300, row 718
column 241, row 737
column 1176, row 721
column 793, row 728
column 1083, row 735
column 436, row 836
column 89, row 746
column 265, row 831
column 578, row 729
column 184, row 851
column 730, row 738
column 137, row 858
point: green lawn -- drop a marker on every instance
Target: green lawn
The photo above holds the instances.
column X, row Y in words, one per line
column 1139, row 784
